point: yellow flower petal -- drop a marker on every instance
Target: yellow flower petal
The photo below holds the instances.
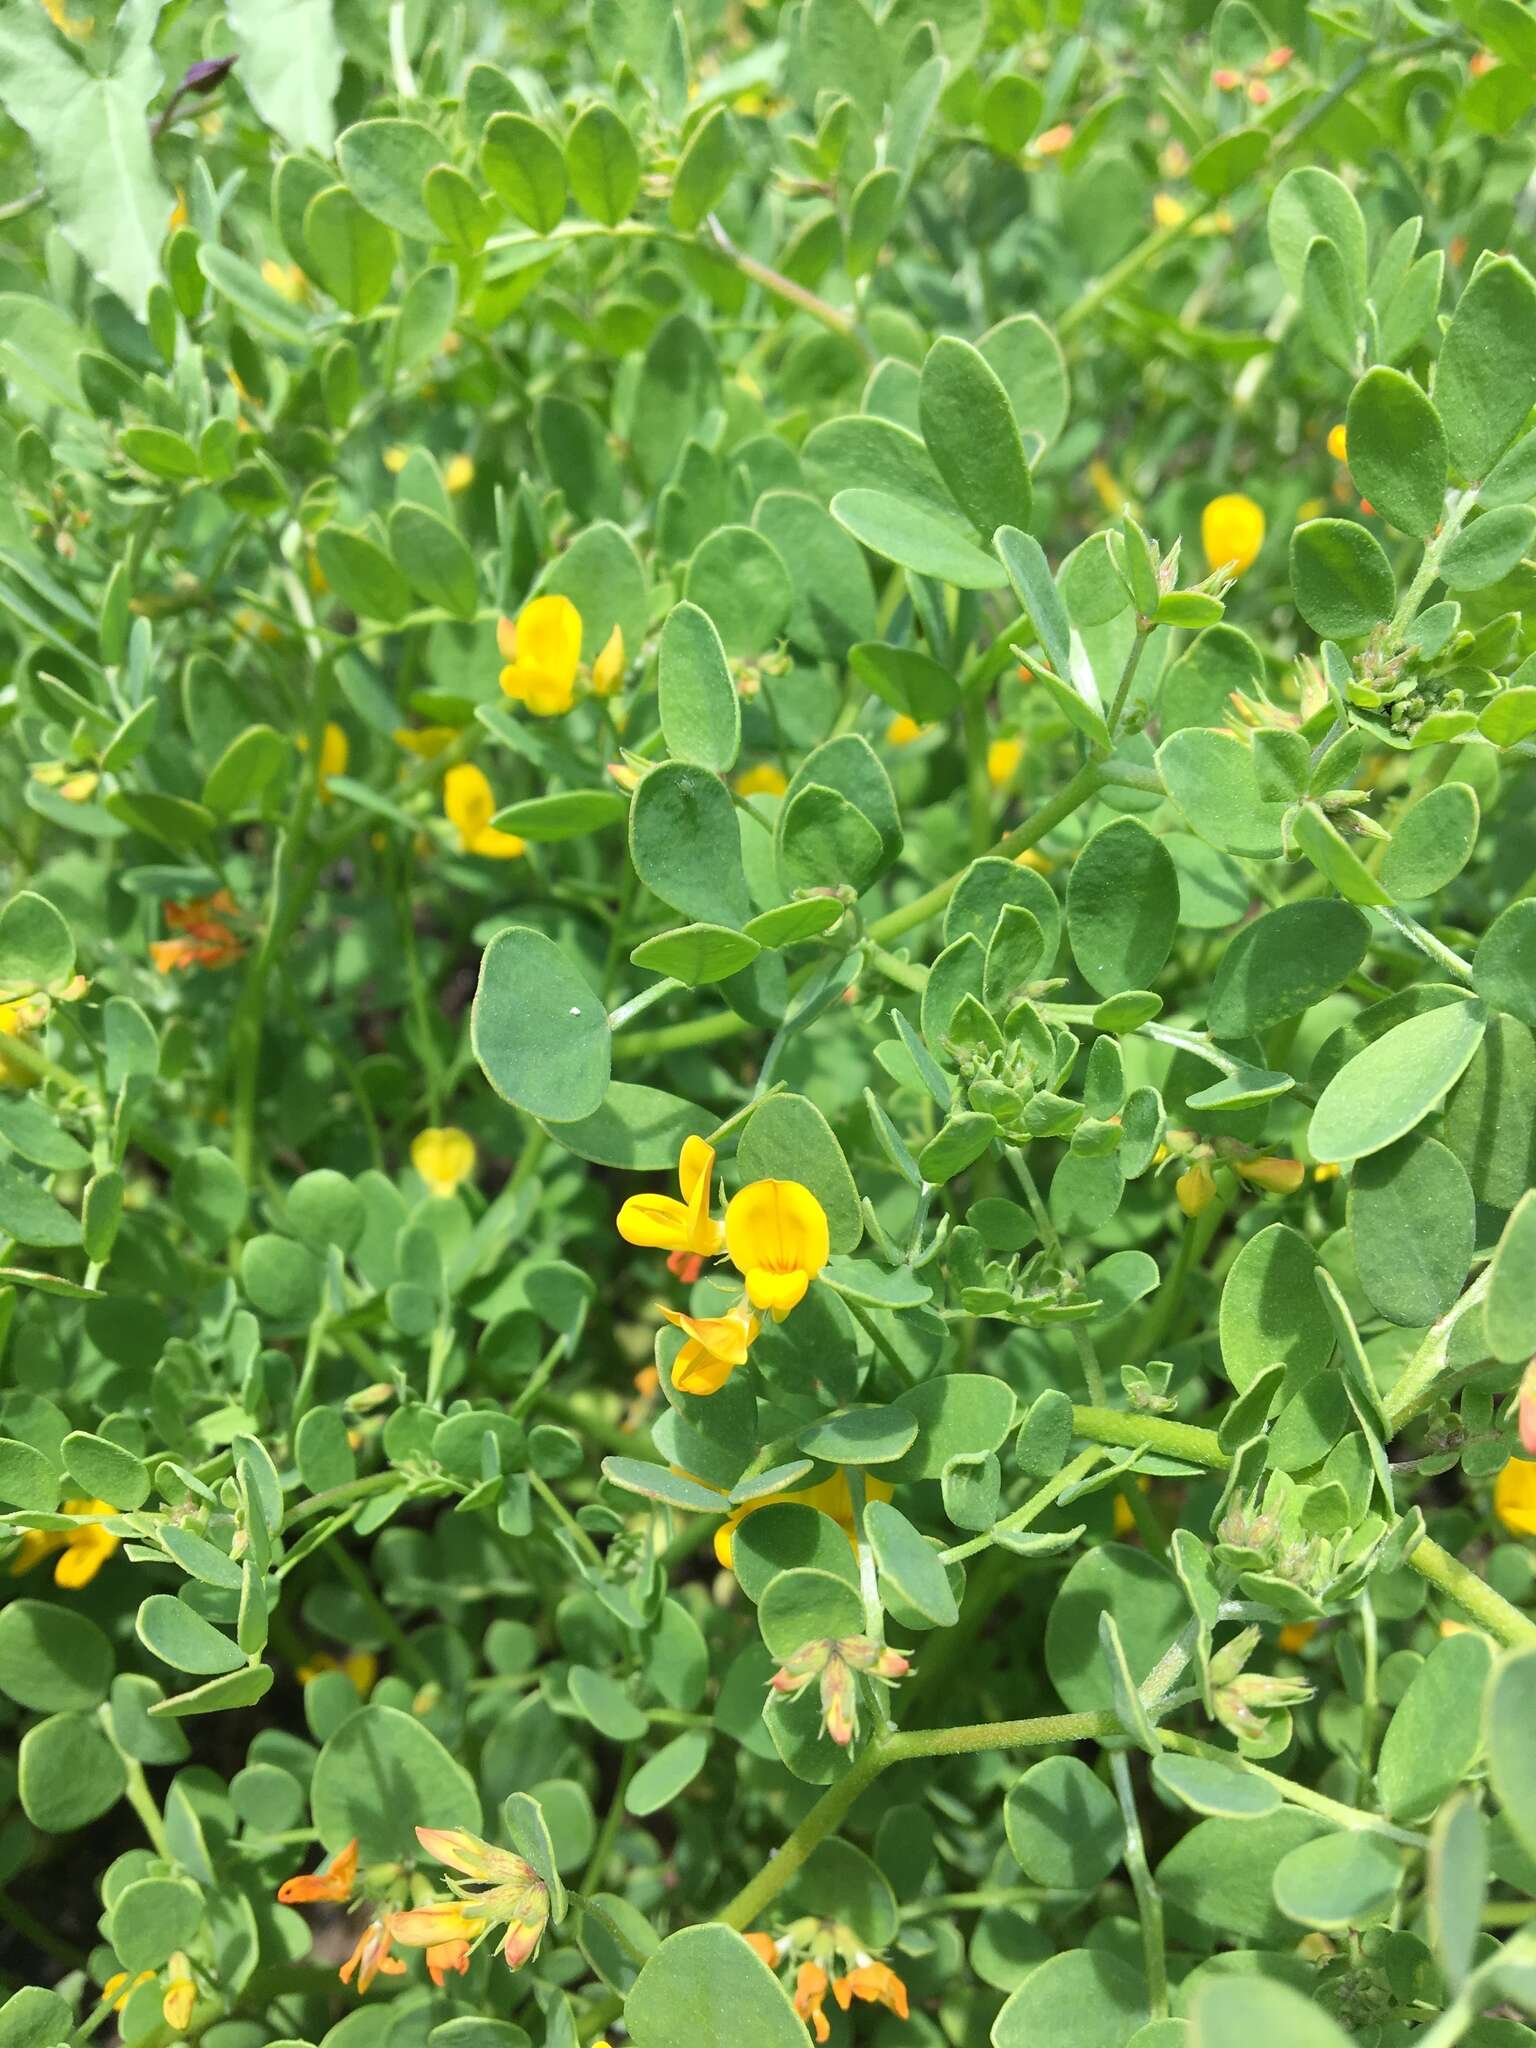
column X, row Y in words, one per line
column 458, row 474
column 549, row 637
column 608, row 669
column 776, row 1234
column 444, row 1157
column 763, row 780
column 1338, row 443
column 1231, row 532
column 1514, row 1497
column 903, row 730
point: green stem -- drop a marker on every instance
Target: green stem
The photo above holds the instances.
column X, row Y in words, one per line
column 1127, row 677
column 823, row 1817
column 1334, row 1810
column 1149, row 1903
column 1416, row 935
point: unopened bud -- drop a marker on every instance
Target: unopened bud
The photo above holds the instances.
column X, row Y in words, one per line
column 1277, row 1176
column 1195, row 1189
column 1528, row 1410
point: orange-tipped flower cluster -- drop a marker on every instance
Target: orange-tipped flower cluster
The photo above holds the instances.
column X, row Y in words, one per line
column 204, row 935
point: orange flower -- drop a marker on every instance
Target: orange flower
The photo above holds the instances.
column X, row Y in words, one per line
column 811, row 1988
column 444, row 1956
column 764, row 1947
column 334, row 1883
column 204, row 937
column 371, row 1957
column 876, row 1984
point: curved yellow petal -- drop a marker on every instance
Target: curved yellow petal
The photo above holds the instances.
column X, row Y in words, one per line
column 660, row 1222
column 608, row 669
column 778, row 1292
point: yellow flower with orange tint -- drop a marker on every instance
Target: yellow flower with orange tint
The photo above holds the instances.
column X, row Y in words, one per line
column 542, row 652
column 663, row 1223
column 608, row 669
column 811, row 1987
column 371, row 1957
column 1003, row 758
column 903, row 730
column 776, row 1235
column 444, row 1157
column 469, row 804
column 762, row 780
column 1338, row 442
column 84, row 1549
column 458, row 474
column 503, row 1890
column 1052, row 141
column 1231, row 532
column 875, row 1983
column 1295, row 1636
column 716, row 1346
column 1514, row 1497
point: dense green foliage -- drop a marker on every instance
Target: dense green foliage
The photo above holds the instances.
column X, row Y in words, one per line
column 768, row 1024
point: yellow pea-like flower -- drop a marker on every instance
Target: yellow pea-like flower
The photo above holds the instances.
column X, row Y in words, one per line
column 716, row 1346
column 180, row 1993
column 1232, row 532
column 1514, row 1497
column 444, row 1157
column 469, row 804
column 1338, row 442
column 903, row 730
column 776, row 1234
column 762, row 780
column 458, row 474
column 663, row 1223
column 542, row 652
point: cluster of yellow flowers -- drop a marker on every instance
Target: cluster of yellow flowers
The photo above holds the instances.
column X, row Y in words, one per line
column 775, row 1235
